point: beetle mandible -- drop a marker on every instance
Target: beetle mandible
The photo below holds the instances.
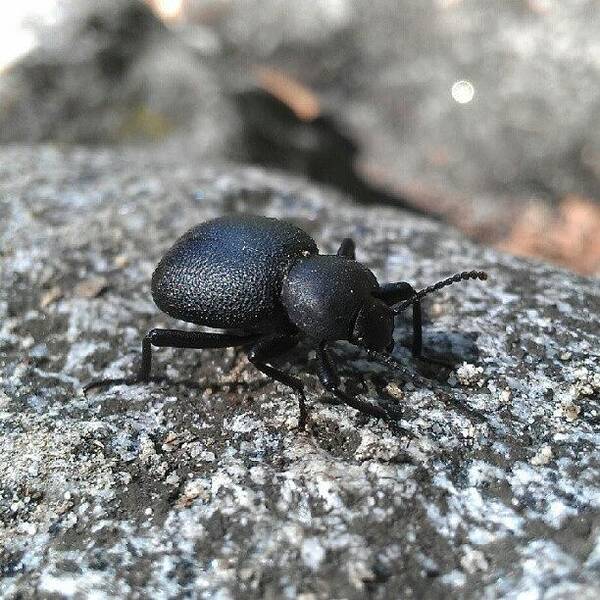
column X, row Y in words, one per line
column 264, row 285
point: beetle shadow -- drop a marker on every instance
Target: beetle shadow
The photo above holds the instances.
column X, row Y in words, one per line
column 454, row 347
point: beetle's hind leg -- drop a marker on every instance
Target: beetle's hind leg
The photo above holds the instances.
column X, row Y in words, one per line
column 260, row 353
column 172, row 338
column 331, row 382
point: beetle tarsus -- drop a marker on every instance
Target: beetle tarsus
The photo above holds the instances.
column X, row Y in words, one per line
column 331, row 382
column 99, row 383
column 390, row 361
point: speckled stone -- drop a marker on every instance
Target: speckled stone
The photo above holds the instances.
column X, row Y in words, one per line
column 201, row 486
column 389, row 71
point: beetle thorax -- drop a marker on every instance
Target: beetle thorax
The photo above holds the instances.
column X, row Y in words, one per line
column 323, row 295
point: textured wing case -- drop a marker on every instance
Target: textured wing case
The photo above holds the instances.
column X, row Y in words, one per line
column 228, row 273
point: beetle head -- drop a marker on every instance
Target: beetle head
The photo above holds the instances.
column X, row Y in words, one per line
column 374, row 327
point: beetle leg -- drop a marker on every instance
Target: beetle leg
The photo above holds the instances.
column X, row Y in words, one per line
column 417, row 345
column 347, row 249
column 176, row 338
column 331, row 382
column 269, row 347
column 392, row 293
column 173, row 338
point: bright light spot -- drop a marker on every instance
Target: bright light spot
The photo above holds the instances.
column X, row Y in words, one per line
column 448, row 3
column 16, row 37
column 168, row 9
column 15, row 43
column 463, row 91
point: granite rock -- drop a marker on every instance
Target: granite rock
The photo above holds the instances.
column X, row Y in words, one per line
column 469, row 98
column 517, row 125
column 202, row 486
column 109, row 72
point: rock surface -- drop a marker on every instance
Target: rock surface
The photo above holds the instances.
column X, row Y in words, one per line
column 488, row 488
column 475, row 97
column 112, row 71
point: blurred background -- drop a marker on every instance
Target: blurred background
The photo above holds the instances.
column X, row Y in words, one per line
column 481, row 114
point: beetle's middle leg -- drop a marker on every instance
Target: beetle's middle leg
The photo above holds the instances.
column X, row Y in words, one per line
column 174, row 338
column 269, row 347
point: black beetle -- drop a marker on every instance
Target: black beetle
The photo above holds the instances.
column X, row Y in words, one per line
column 263, row 283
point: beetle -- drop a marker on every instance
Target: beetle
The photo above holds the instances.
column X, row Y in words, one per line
column 262, row 283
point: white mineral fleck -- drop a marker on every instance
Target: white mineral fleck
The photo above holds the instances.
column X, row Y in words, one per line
column 470, row 375
column 312, row 553
column 542, row 457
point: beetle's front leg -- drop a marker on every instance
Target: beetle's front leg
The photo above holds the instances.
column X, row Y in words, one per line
column 392, row 293
column 331, row 382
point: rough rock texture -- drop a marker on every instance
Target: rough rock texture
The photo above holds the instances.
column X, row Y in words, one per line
column 489, row 487
column 108, row 72
column 112, row 71
column 388, row 70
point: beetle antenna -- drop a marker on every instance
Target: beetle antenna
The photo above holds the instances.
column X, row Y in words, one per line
column 438, row 286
